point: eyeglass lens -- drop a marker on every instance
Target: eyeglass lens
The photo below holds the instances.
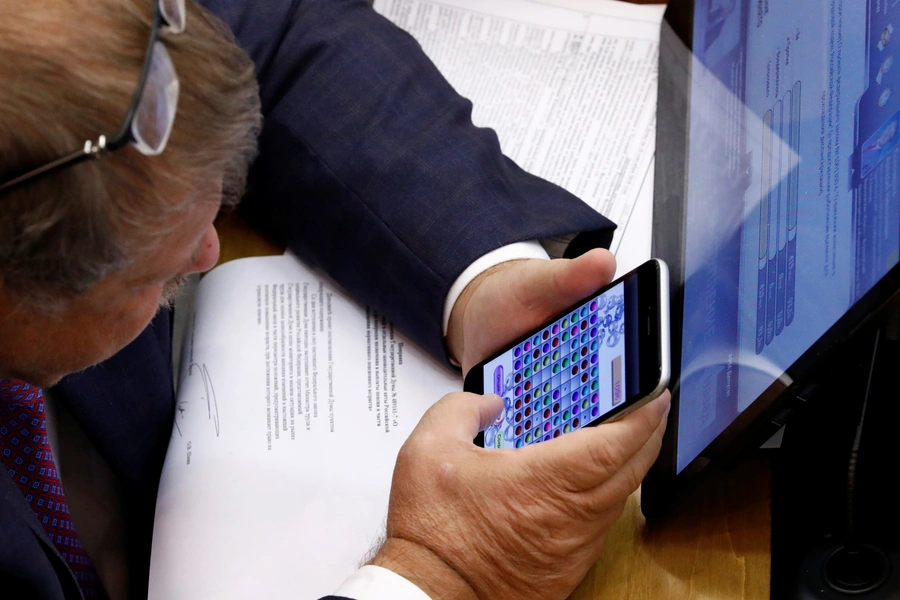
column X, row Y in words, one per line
column 156, row 110
column 173, row 12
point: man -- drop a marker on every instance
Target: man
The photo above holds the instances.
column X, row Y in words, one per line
column 368, row 167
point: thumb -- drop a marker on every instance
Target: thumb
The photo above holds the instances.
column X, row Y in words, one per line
column 462, row 415
column 556, row 284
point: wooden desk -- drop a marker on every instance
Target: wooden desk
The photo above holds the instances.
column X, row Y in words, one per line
column 716, row 546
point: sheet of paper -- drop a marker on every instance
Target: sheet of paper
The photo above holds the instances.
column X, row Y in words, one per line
column 293, row 402
column 633, row 248
column 569, row 86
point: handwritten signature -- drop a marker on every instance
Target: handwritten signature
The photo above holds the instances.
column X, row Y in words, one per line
column 212, row 406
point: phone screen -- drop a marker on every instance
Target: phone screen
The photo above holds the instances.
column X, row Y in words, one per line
column 569, row 374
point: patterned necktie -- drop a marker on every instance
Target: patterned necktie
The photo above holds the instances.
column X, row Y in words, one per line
column 26, row 455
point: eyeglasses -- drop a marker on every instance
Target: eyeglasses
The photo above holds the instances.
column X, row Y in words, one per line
column 151, row 112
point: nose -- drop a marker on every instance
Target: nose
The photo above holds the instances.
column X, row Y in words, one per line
column 208, row 252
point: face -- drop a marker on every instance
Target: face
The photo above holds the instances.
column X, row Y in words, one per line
column 103, row 320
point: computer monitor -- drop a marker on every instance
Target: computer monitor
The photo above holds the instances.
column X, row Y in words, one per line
column 777, row 207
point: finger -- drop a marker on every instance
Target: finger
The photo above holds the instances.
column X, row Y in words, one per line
column 589, row 457
column 551, row 286
column 584, row 274
column 462, row 415
column 629, row 477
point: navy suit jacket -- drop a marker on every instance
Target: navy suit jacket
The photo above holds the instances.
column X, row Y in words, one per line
column 370, row 169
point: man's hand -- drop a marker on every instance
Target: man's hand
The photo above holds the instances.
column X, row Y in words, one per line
column 466, row 522
column 514, row 297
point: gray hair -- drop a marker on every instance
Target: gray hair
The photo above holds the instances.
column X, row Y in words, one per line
column 62, row 233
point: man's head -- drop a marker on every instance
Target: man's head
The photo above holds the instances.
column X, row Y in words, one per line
column 88, row 252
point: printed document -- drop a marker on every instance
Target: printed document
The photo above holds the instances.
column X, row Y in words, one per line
column 293, row 402
column 569, row 86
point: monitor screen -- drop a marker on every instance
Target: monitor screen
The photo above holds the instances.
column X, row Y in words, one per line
column 777, row 206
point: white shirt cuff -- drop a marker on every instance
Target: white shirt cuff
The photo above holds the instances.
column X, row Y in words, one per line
column 514, row 251
column 377, row 583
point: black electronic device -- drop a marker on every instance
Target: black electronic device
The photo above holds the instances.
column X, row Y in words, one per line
column 834, row 528
column 598, row 360
column 777, row 208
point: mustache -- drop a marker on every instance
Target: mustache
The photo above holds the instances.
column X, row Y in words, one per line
column 171, row 290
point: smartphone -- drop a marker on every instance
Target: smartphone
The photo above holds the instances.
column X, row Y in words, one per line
column 595, row 362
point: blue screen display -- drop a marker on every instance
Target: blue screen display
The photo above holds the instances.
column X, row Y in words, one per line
column 562, row 378
column 792, row 197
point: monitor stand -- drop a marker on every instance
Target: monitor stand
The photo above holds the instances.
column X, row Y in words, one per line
column 818, row 551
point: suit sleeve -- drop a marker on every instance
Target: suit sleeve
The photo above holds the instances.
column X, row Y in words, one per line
column 370, row 167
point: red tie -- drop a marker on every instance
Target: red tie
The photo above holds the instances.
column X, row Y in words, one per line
column 26, row 455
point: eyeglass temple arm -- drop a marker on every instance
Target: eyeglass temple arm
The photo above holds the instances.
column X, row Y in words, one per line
column 90, row 150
